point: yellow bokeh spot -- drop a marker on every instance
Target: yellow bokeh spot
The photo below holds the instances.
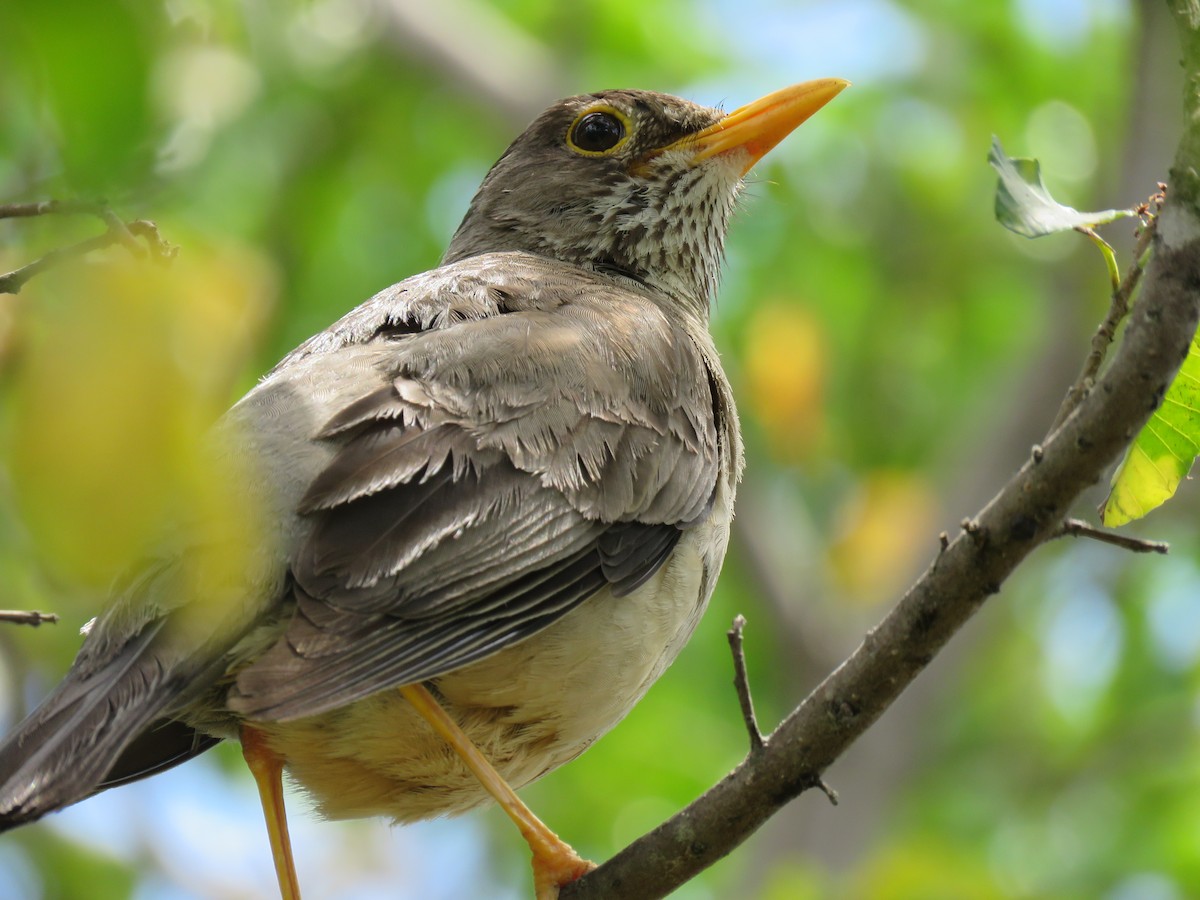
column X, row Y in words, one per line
column 785, row 365
column 882, row 532
column 927, row 867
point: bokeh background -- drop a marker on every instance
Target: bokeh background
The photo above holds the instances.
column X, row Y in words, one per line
column 895, row 353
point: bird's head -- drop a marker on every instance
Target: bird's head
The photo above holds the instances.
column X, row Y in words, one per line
column 631, row 182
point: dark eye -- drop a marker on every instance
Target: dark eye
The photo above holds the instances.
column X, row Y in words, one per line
column 597, row 132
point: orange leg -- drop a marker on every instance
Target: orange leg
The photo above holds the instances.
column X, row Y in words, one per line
column 267, row 768
column 554, row 862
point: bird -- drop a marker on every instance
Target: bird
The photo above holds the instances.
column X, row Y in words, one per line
column 489, row 505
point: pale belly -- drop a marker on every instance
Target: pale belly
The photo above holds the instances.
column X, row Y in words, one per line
column 529, row 708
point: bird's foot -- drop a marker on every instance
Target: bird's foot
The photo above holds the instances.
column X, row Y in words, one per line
column 553, row 869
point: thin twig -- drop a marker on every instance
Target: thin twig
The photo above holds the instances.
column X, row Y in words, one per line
column 1118, row 309
column 823, row 786
column 118, row 228
column 27, row 617
column 118, row 232
column 1080, row 528
column 51, row 207
column 12, row 282
column 741, row 681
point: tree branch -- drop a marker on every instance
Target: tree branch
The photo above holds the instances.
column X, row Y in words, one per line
column 1027, row 512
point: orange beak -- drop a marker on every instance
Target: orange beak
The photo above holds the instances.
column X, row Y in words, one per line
column 756, row 127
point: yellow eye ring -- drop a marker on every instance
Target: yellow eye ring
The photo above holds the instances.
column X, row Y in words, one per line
column 599, row 131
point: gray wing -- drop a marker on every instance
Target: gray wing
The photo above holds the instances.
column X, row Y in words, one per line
column 503, row 468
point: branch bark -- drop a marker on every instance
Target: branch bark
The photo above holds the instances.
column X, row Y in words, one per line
column 1028, row 511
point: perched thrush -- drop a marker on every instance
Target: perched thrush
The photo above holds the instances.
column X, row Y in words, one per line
column 494, row 500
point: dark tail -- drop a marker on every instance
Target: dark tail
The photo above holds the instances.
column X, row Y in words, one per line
column 100, row 727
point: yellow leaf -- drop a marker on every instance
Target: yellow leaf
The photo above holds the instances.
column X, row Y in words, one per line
column 1163, row 451
column 1141, row 484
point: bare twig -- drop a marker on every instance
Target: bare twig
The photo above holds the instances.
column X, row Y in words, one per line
column 118, row 229
column 1080, row 528
column 822, row 785
column 741, row 682
column 27, row 617
column 117, row 232
column 52, row 207
column 12, row 282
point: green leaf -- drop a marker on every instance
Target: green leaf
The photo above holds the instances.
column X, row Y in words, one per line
column 1024, row 205
column 1163, row 452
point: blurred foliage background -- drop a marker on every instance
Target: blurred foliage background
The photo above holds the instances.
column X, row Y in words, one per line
column 895, row 354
